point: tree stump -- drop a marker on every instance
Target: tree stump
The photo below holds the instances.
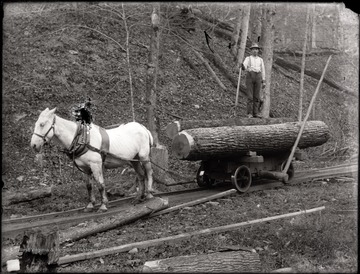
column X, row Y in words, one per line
column 231, row 142
column 40, row 251
column 160, row 163
column 233, row 261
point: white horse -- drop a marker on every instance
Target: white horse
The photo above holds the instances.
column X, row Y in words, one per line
column 127, row 143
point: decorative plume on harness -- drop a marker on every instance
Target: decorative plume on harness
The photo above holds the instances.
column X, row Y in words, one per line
column 82, row 112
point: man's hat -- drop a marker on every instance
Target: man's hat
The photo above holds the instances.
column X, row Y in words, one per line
column 254, row 45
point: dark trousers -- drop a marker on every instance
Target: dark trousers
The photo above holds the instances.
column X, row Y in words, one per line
column 253, row 88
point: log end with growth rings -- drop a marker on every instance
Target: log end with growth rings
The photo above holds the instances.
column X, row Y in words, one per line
column 181, row 145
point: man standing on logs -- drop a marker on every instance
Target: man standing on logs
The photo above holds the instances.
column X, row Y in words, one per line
column 255, row 80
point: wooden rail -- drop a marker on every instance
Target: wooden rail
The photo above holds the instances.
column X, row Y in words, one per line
column 12, row 226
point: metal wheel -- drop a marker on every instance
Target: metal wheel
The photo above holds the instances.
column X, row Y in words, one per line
column 241, row 178
column 203, row 179
column 291, row 170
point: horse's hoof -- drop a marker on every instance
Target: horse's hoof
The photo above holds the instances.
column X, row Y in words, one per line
column 153, row 191
column 137, row 200
column 88, row 209
column 102, row 209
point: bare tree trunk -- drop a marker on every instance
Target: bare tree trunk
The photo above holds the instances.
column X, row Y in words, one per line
column 340, row 29
column 303, row 64
column 159, row 152
column 128, row 63
column 313, row 26
column 236, row 33
column 152, row 70
column 255, row 32
column 263, row 25
column 268, row 55
column 244, row 33
column 284, row 28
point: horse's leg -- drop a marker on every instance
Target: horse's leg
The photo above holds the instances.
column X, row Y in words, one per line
column 97, row 171
column 89, row 186
column 149, row 182
column 141, row 180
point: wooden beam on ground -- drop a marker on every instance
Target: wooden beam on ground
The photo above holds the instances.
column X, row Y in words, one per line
column 283, row 270
column 217, row 262
column 110, row 222
column 155, row 242
column 196, row 202
column 25, row 196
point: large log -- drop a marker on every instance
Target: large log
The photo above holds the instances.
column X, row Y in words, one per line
column 233, row 141
column 25, row 196
column 229, row 262
column 175, row 127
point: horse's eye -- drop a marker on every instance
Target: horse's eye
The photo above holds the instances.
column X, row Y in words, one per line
column 41, row 124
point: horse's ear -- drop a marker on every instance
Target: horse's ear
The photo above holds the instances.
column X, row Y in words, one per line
column 53, row 110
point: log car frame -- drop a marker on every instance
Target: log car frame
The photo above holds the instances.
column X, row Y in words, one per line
column 242, row 170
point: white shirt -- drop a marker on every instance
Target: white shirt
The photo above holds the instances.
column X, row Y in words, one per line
column 256, row 64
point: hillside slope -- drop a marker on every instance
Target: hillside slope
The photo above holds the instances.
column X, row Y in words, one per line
column 60, row 57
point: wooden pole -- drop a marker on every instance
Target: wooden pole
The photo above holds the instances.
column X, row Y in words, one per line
column 238, row 89
column 196, row 202
column 104, row 224
column 306, row 118
column 155, row 242
column 303, row 64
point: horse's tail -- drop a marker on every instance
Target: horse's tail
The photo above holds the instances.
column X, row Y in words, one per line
column 151, row 139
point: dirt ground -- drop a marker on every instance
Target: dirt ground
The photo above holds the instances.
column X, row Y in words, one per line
column 59, row 55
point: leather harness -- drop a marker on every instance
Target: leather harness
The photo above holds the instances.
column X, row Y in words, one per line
column 80, row 145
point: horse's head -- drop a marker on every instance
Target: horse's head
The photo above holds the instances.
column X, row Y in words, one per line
column 44, row 129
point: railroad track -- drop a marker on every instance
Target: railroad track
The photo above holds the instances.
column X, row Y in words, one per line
column 15, row 226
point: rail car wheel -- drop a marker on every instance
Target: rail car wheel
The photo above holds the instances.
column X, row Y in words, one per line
column 203, row 179
column 241, row 178
column 291, row 170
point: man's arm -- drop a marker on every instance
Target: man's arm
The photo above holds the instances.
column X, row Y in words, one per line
column 245, row 64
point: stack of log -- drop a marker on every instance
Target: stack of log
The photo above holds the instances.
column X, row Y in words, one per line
column 203, row 140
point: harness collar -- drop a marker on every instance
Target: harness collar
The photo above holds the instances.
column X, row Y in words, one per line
column 79, row 144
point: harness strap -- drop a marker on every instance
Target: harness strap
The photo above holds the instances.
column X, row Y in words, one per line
column 105, row 143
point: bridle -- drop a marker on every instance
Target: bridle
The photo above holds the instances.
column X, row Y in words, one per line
column 51, row 128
